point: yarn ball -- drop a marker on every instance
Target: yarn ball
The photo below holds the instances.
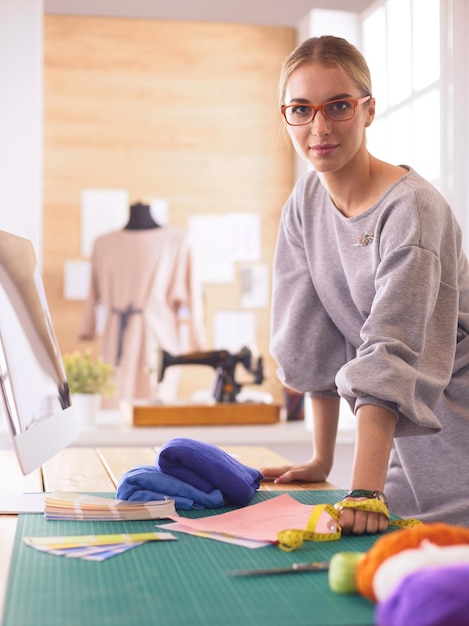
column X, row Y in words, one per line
column 429, row 597
column 342, row 568
column 395, row 568
column 438, row 533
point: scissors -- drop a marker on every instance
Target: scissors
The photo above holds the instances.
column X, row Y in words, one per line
column 295, row 568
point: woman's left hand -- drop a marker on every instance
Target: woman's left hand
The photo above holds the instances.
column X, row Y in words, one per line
column 356, row 522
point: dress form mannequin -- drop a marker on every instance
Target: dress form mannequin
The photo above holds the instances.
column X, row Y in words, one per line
column 140, row 217
column 141, row 278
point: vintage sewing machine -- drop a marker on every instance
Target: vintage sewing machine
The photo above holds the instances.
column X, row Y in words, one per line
column 226, row 388
column 225, row 407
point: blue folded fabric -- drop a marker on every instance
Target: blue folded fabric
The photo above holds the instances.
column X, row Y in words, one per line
column 147, row 482
column 206, row 467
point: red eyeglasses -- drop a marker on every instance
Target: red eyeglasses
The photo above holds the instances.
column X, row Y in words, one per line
column 335, row 110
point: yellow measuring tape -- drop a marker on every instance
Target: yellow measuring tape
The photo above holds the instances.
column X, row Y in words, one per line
column 289, row 540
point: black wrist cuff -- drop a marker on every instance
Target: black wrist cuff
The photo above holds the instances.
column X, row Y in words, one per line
column 366, row 493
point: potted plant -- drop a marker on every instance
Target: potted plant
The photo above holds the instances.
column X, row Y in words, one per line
column 89, row 378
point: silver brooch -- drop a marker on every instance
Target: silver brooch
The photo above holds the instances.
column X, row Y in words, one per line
column 365, row 238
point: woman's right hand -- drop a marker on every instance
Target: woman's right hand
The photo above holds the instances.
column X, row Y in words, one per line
column 311, row 472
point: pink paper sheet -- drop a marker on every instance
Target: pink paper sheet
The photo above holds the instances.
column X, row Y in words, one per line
column 263, row 521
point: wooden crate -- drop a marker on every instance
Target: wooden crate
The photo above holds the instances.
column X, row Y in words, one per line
column 203, row 414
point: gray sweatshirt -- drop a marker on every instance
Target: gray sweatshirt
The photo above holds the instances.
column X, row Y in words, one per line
column 375, row 308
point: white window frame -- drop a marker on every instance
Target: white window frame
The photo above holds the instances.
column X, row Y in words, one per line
column 453, row 123
column 403, row 108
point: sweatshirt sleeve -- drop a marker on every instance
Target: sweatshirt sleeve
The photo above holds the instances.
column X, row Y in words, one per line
column 406, row 358
column 306, row 344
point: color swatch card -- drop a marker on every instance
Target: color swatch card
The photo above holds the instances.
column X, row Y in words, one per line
column 94, row 547
column 65, row 505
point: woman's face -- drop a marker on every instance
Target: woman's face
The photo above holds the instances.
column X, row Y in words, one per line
column 328, row 145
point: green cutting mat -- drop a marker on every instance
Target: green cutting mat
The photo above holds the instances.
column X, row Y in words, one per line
column 177, row 583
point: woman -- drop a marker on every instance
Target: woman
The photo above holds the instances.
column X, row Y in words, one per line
column 370, row 302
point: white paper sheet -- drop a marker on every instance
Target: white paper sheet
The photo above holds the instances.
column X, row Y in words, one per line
column 102, row 211
column 159, row 209
column 77, row 280
column 221, row 240
column 244, row 236
column 22, row 503
column 255, row 285
column 210, row 237
column 234, row 329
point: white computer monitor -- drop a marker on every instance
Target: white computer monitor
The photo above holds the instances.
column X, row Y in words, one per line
column 34, row 395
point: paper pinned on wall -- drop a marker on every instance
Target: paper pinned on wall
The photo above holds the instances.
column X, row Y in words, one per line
column 210, row 236
column 102, row 211
column 221, row 240
column 77, row 280
column 244, row 236
column 234, row 329
column 159, row 209
column 255, row 286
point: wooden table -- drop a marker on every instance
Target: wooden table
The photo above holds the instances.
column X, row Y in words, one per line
column 99, row 469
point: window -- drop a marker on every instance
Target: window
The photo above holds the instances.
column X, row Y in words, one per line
column 401, row 42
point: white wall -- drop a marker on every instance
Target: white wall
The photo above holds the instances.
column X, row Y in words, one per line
column 21, row 118
column 338, row 23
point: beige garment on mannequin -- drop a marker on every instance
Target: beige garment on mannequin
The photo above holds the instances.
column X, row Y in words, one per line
column 142, row 278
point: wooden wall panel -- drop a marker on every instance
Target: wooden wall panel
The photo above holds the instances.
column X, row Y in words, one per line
column 180, row 110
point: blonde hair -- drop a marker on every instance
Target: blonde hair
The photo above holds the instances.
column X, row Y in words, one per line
column 332, row 52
